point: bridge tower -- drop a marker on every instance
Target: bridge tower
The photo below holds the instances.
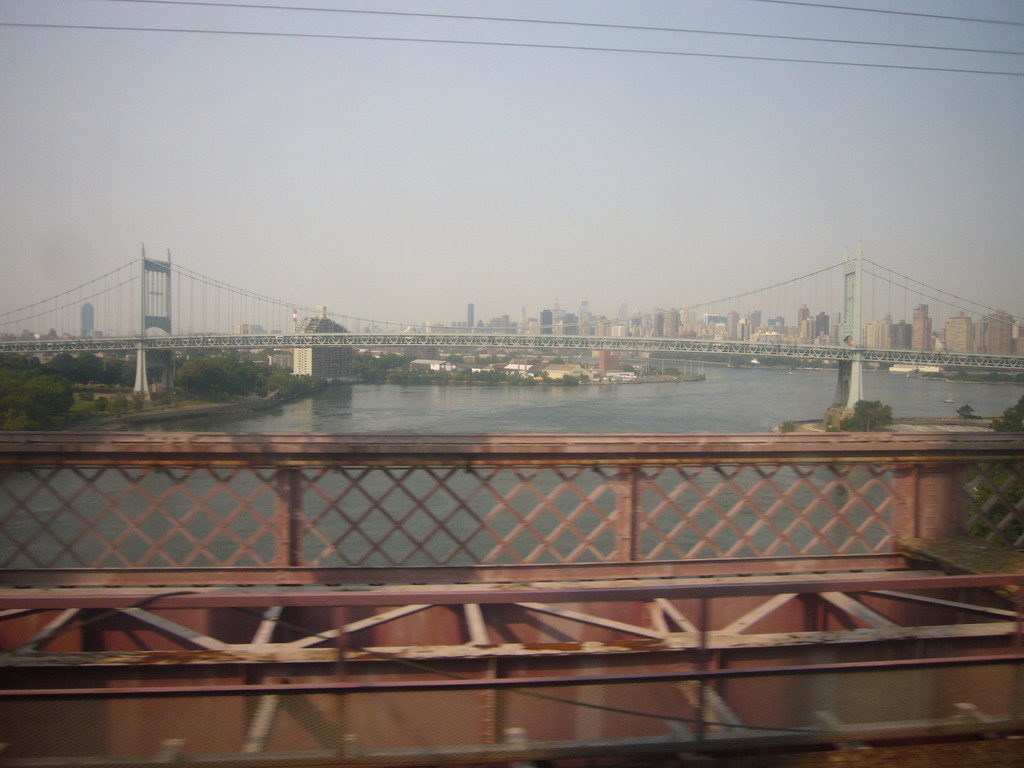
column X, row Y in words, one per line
column 154, row 312
column 850, row 388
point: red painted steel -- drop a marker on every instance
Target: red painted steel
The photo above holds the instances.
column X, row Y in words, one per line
column 462, row 599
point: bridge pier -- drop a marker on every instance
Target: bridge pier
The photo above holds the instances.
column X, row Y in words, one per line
column 154, row 312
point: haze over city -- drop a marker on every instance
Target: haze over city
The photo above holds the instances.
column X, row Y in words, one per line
column 402, row 180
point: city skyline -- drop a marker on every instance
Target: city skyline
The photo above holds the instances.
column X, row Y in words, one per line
column 407, row 179
column 950, row 329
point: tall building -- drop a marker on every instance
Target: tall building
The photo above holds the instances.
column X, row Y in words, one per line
column 672, row 324
column 88, row 320
column 820, row 325
column 545, row 321
column 958, row 333
column 469, row 316
column 878, row 333
column 922, row 333
column 902, row 335
column 999, row 335
column 322, row 361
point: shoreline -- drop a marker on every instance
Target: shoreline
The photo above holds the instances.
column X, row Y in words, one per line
column 246, row 405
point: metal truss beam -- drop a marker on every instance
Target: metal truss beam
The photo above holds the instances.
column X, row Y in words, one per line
column 823, row 353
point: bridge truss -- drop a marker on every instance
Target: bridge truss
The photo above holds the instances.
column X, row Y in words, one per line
column 523, row 342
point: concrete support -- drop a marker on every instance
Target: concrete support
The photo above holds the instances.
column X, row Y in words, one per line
column 154, row 312
column 849, row 386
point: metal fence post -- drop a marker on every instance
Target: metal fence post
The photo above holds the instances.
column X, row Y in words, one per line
column 627, row 512
column 905, row 501
column 287, row 516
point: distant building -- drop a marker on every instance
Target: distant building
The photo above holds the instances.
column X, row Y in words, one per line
column 521, row 369
column 999, row 335
column 433, row 365
column 878, row 333
column 958, row 333
column 322, row 361
column 88, row 320
column 561, row 370
column 672, row 324
column 545, row 321
column 922, row 333
column 607, row 360
column 902, row 335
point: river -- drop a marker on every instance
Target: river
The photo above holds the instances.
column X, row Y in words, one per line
column 731, row 400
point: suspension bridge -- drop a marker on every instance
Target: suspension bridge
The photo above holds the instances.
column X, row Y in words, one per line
column 154, row 308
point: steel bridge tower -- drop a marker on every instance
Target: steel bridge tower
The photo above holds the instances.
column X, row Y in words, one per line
column 154, row 312
column 850, row 387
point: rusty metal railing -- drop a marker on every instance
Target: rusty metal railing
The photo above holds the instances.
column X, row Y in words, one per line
column 297, row 506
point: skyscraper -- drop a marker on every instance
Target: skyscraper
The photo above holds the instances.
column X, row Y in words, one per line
column 922, row 333
column 469, row 315
column 999, row 336
column 88, row 322
column 545, row 321
column 959, row 333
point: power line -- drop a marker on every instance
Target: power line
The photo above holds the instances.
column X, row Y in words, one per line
column 890, row 12
column 548, row 46
column 556, row 22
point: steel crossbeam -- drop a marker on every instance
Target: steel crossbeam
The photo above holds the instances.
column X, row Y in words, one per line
column 344, row 600
column 521, row 342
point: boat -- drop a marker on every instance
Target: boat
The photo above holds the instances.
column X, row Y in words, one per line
column 949, row 398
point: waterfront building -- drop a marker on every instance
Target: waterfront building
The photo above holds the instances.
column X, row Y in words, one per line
column 558, row 371
column 322, row 362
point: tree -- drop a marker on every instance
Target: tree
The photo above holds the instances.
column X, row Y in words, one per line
column 966, row 412
column 868, row 416
column 1012, row 419
column 220, row 377
column 30, row 399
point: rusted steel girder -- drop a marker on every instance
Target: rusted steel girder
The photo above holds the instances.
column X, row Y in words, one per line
column 24, row 449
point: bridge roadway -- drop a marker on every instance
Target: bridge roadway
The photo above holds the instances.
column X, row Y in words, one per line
column 521, row 341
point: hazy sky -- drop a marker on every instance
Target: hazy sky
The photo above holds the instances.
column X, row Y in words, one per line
column 402, row 180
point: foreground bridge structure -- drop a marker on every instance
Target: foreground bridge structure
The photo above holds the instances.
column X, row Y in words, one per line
column 217, row 600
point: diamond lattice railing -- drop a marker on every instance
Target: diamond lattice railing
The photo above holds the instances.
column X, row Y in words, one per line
column 995, row 503
column 137, row 517
column 766, row 511
column 449, row 516
column 316, row 502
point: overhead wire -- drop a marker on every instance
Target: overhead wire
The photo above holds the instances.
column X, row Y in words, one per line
column 560, row 22
column 943, row 17
column 507, row 44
